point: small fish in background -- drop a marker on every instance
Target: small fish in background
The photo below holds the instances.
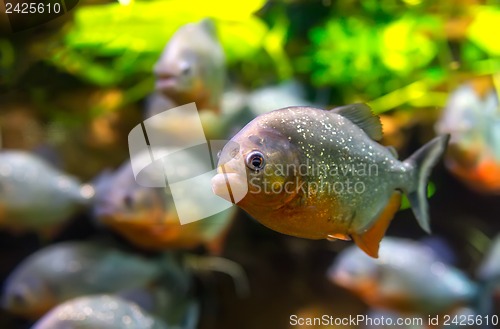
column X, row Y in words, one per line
column 100, row 311
column 408, row 278
column 319, row 174
column 67, row 270
column 191, row 69
column 147, row 216
column 34, row 196
column 472, row 118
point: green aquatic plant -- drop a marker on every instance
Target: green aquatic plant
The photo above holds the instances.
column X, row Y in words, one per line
column 372, row 57
column 394, row 55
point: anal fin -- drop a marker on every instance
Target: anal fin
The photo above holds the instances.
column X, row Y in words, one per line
column 369, row 241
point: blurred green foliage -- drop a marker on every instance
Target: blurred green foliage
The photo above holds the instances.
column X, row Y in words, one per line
column 398, row 52
column 390, row 53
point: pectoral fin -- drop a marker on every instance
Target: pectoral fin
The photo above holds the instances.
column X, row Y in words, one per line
column 339, row 236
column 369, row 241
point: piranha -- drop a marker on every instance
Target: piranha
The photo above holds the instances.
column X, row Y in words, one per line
column 472, row 118
column 34, row 196
column 192, row 67
column 409, row 278
column 67, row 270
column 99, row 311
column 320, row 174
column 147, row 216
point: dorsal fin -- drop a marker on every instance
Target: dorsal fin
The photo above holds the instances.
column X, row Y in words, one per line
column 361, row 115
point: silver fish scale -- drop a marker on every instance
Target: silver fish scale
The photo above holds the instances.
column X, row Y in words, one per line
column 330, row 141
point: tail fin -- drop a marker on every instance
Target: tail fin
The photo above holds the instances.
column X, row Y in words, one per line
column 423, row 161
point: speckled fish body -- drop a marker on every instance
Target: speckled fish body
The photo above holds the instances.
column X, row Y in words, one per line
column 34, row 195
column 100, row 311
column 408, row 277
column 192, row 67
column 71, row 269
column 324, row 175
column 473, row 123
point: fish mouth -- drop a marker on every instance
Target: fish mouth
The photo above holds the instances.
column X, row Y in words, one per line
column 229, row 184
column 166, row 83
column 166, row 80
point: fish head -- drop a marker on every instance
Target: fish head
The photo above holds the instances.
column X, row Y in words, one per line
column 177, row 73
column 354, row 270
column 121, row 199
column 28, row 295
column 257, row 169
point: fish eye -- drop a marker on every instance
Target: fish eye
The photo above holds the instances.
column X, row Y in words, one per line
column 185, row 68
column 255, row 161
column 128, row 200
column 18, row 299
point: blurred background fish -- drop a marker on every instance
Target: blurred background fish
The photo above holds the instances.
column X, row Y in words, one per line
column 192, row 67
column 66, row 270
column 472, row 118
column 147, row 216
column 34, row 196
column 408, row 278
